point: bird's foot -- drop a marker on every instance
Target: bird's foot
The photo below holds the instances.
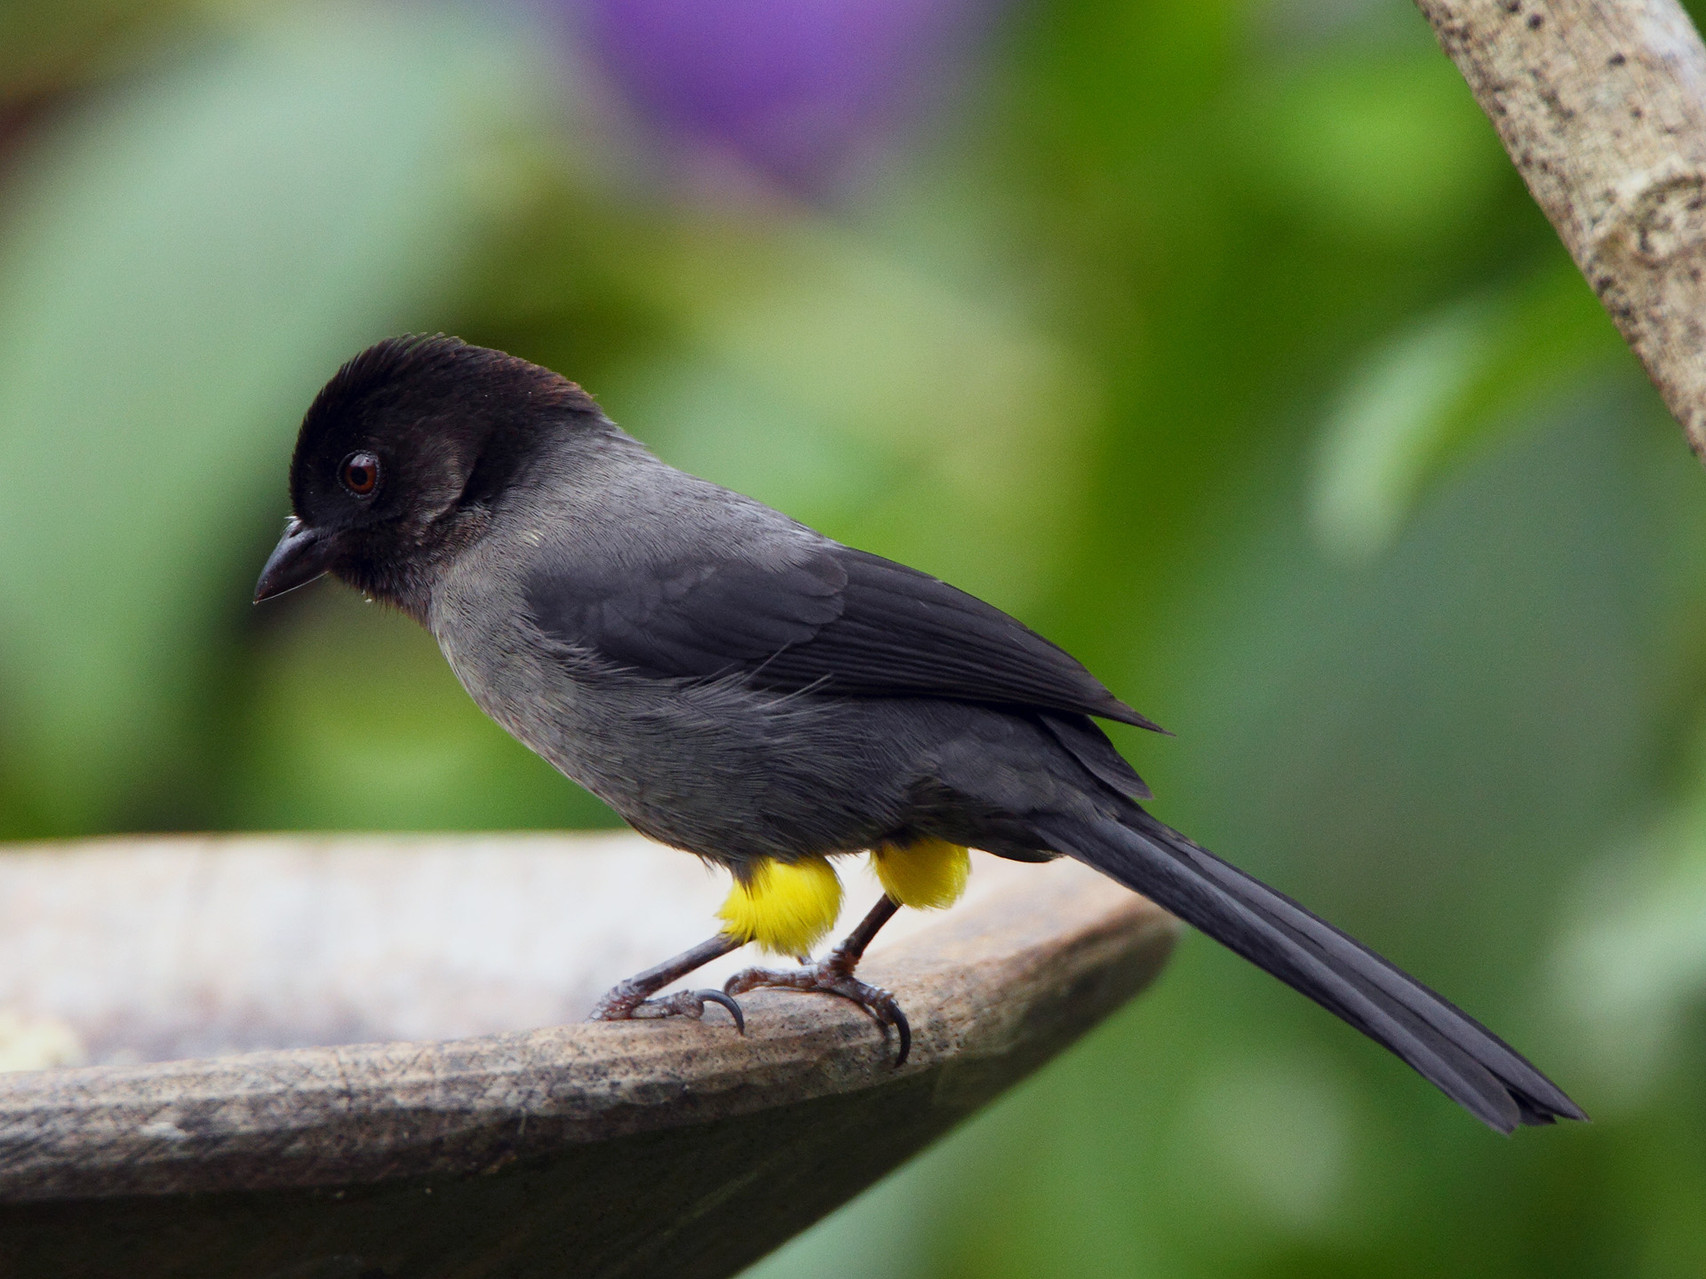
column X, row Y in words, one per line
column 832, row 976
column 624, row 1003
column 633, row 998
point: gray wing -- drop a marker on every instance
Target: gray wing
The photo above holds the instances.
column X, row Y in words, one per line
column 810, row 615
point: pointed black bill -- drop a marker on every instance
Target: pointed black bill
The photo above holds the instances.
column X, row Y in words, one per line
column 300, row 556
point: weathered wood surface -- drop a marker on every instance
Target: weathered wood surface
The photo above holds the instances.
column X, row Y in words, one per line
column 661, row 1148
column 1602, row 105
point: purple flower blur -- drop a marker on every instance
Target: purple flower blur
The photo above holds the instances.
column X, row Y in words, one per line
column 799, row 89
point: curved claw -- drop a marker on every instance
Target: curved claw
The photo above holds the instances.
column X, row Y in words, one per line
column 903, row 1032
column 619, row 1006
column 885, row 1011
column 824, row 979
column 718, row 997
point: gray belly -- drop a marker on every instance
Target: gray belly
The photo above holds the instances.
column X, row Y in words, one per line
column 734, row 773
column 717, row 768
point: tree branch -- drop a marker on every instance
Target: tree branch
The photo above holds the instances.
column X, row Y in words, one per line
column 1602, row 105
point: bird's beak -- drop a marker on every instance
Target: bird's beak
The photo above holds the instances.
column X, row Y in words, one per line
column 301, row 555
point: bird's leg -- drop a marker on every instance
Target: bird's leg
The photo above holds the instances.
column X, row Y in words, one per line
column 833, row 975
column 632, row 998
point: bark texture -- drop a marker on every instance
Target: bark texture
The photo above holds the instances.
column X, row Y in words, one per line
column 1602, row 105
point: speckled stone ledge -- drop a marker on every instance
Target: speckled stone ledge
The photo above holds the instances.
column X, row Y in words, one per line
column 658, row 1148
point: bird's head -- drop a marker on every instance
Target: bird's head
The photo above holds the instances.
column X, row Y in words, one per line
column 401, row 456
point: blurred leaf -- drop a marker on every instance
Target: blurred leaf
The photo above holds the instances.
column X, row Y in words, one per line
column 1391, row 148
column 1278, row 1134
column 47, row 45
column 1380, row 445
column 183, row 259
column 1451, row 382
column 357, row 723
column 822, row 374
column 1631, row 967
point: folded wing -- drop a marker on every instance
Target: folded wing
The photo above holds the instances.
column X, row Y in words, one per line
column 818, row 616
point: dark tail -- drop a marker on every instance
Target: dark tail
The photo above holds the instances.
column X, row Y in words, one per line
column 1465, row 1060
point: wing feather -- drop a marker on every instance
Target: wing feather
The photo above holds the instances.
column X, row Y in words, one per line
column 825, row 617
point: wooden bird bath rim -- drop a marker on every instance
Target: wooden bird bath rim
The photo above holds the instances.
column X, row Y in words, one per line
column 297, row 1012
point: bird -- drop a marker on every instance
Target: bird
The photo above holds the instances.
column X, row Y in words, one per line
column 740, row 686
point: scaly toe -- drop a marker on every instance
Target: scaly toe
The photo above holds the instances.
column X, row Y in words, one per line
column 683, row 1003
column 824, row 979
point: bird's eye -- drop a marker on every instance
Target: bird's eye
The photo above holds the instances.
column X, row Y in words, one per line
column 360, row 474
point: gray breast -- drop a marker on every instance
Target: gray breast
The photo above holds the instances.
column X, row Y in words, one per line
column 715, row 767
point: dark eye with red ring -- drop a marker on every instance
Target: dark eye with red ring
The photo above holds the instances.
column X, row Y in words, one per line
column 360, row 474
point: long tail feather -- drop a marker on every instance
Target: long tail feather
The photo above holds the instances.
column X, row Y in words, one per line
column 1452, row 1050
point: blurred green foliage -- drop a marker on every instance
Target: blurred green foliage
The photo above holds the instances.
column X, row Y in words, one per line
column 1215, row 338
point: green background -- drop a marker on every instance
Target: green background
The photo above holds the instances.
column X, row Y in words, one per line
column 1216, row 339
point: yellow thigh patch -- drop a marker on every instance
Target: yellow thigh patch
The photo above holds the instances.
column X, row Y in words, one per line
column 786, row 908
column 930, row 873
